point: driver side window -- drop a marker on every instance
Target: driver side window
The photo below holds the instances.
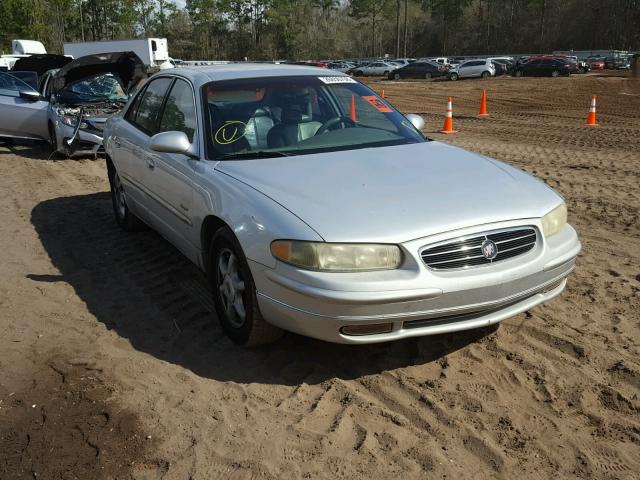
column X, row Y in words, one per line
column 144, row 113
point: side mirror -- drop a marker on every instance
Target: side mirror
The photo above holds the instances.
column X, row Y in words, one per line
column 416, row 120
column 30, row 95
column 171, row 142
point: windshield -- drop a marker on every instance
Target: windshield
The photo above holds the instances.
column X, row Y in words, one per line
column 99, row 88
column 296, row 115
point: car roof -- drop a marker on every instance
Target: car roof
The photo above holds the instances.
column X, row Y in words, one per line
column 233, row 71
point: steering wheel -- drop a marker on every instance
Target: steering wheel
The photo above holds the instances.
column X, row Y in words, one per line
column 335, row 121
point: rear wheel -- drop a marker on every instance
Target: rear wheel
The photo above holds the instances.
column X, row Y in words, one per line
column 358, row 73
column 555, row 73
column 386, row 72
column 396, row 76
column 485, row 75
column 124, row 218
column 427, row 76
column 234, row 293
column 517, row 73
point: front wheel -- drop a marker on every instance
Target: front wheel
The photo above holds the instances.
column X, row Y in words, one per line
column 234, row 293
column 555, row 74
column 427, row 76
column 453, row 76
column 396, row 76
column 517, row 73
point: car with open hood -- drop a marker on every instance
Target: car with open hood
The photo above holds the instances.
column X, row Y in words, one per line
column 314, row 206
column 74, row 100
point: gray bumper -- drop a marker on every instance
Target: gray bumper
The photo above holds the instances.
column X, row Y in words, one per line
column 415, row 302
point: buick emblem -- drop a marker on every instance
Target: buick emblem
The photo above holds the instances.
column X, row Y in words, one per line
column 489, row 249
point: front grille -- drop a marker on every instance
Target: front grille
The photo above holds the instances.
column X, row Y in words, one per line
column 467, row 251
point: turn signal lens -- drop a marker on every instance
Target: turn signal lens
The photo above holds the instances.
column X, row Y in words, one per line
column 337, row 257
column 555, row 220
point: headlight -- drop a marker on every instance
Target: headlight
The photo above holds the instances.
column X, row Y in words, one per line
column 70, row 118
column 337, row 257
column 555, row 220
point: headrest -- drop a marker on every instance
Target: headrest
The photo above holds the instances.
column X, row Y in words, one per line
column 290, row 116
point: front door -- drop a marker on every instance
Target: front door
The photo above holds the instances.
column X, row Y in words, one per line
column 21, row 117
column 169, row 177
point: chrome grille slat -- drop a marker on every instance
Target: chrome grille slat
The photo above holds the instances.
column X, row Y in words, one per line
column 498, row 242
column 457, row 260
column 466, row 251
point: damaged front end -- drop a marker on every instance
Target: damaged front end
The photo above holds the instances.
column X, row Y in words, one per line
column 78, row 128
column 85, row 93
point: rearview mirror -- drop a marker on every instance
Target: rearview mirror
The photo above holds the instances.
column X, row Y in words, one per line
column 171, row 142
column 30, row 95
column 416, row 120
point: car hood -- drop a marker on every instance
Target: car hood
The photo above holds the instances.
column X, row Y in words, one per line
column 125, row 66
column 395, row 194
column 41, row 63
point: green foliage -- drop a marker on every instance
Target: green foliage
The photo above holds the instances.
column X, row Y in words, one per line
column 323, row 29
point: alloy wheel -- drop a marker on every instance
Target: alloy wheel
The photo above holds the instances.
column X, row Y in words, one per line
column 231, row 288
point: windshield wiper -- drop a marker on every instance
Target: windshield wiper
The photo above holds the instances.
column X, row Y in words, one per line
column 253, row 155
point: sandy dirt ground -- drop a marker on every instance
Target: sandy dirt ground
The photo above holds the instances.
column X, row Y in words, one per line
column 111, row 365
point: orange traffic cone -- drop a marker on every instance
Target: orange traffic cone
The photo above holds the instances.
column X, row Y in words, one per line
column 352, row 115
column 382, row 93
column 448, row 119
column 483, row 104
column 591, row 119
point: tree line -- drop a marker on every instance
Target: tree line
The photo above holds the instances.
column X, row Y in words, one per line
column 327, row 29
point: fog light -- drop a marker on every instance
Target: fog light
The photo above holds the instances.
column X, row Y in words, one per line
column 367, row 329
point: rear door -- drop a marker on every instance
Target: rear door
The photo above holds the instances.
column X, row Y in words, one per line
column 21, row 117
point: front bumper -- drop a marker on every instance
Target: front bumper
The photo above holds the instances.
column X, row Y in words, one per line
column 414, row 300
column 90, row 142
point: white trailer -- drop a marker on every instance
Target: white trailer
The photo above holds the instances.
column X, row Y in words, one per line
column 153, row 52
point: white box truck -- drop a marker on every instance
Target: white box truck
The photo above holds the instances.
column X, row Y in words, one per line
column 153, row 52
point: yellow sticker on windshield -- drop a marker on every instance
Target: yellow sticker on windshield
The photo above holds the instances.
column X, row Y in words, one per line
column 230, row 131
column 378, row 104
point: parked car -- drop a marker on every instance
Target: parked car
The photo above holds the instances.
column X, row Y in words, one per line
column 341, row 66
column 374, row 69
column 596, row 63
column 403, row 61
column 73, row 103
column 544, row 67
column 339, row 223
column 473, row 69
column 426, row 70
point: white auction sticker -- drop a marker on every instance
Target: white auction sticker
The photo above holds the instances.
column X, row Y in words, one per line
column 340, row 79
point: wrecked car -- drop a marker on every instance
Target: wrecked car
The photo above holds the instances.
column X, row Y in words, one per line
column 73, row 102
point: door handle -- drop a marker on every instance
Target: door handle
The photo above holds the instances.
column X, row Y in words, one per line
column 116, row 142
column 151, row 164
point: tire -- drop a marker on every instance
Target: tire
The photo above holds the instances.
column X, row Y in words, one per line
column 53, row 140
column 555, row 74
column 386, row 73
column 427, row 76
column 517, row 73
column 453, row 77
column 358, row 73
column 396, row 76
column 125, row 219
column 234, row 293
column 485, row 75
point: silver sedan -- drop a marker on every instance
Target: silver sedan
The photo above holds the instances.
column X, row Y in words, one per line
column 314, row 206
